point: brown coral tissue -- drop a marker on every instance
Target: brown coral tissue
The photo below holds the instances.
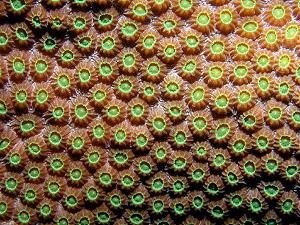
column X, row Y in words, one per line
column 149, row 112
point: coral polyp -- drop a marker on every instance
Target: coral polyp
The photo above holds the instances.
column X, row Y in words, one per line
column 149, row 112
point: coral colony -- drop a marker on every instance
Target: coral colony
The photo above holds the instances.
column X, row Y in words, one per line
column 149, row 112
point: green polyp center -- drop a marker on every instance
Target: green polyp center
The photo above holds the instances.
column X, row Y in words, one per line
column 200, row 123
column 137, row 110
column 53, row 187
column 21, row 96
column 19, row 65
column 239, row 145
column 272, row 165
column 17, row 4
column 198, row 94
column 159, row 124
column 284, row 61
column 81, row 111
column 180, row 137
column 222, row 131
column 248, row 4
column 173, row 87
column 185, row 4
column 178, row 186
column 232, row 178
column 291, row 32
column 145, row 167
column 127, row 181
column 249, row 120
column 41, row 66
column 158, row 205
column 219, row 160
column 136, row 218
column 23, row 217
column 175, row 111
column 98, row 131
column 79, row 23
column 67, row 56
column 94, row 157
column 57, row 22
column 198, row 202
column 138, row 199
column 129, row 60
column 263, row 83
column 198, row 174
column 262, row 142
column 236, row 200
column 170, row 50
column 275, row 113
column 129, row 29
column 179, row 208
column 192, row 41
column 55, row 138
column 263, row 60
column 77, row 143
column 140, row 9
column 34, row 148
column 120, row 135
column 115, row 200
column 250, row 26
column 222, row 101
column 201, row 151
column 34, row 173
column 285, row 142
column 287, row 205
column 169, row 24
column 271, row 190
column 36, row 21
column 149, row 91
column 45, row 210
column 30, row 195
column 158, row 184
column 58, row 112
column 3, row 39
column 42, row 96
column 255, row 205
column 108, row 43
column 92, row 193
column 161, row 153
column 215, row 72
column 105, row 69
column 242, row 48
column 113, row 111
column 3, row 208
column 49, row 43
column 153, row 68
column 296, row 117
column 271, row 37
column 85, row 41
column 105, row 19
column 291, row 170
column 84, row 75
column 125, row 86
column 21, row 34
column 99, row 95
column 3, row 108
column 217, row 212
column 244, row 96
column 149, row 41
column 71, row 201
column 27, row 125
column 105, row 178
column 226, row 17
column 179, row 163
column 203, row 19
column 64, row 81
column 250, row 167
column 11, row 184
column 278, row 12
column 240, row 71
column 217, row 47
column 15, row 158
column 141, row 140
column 57, row 164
